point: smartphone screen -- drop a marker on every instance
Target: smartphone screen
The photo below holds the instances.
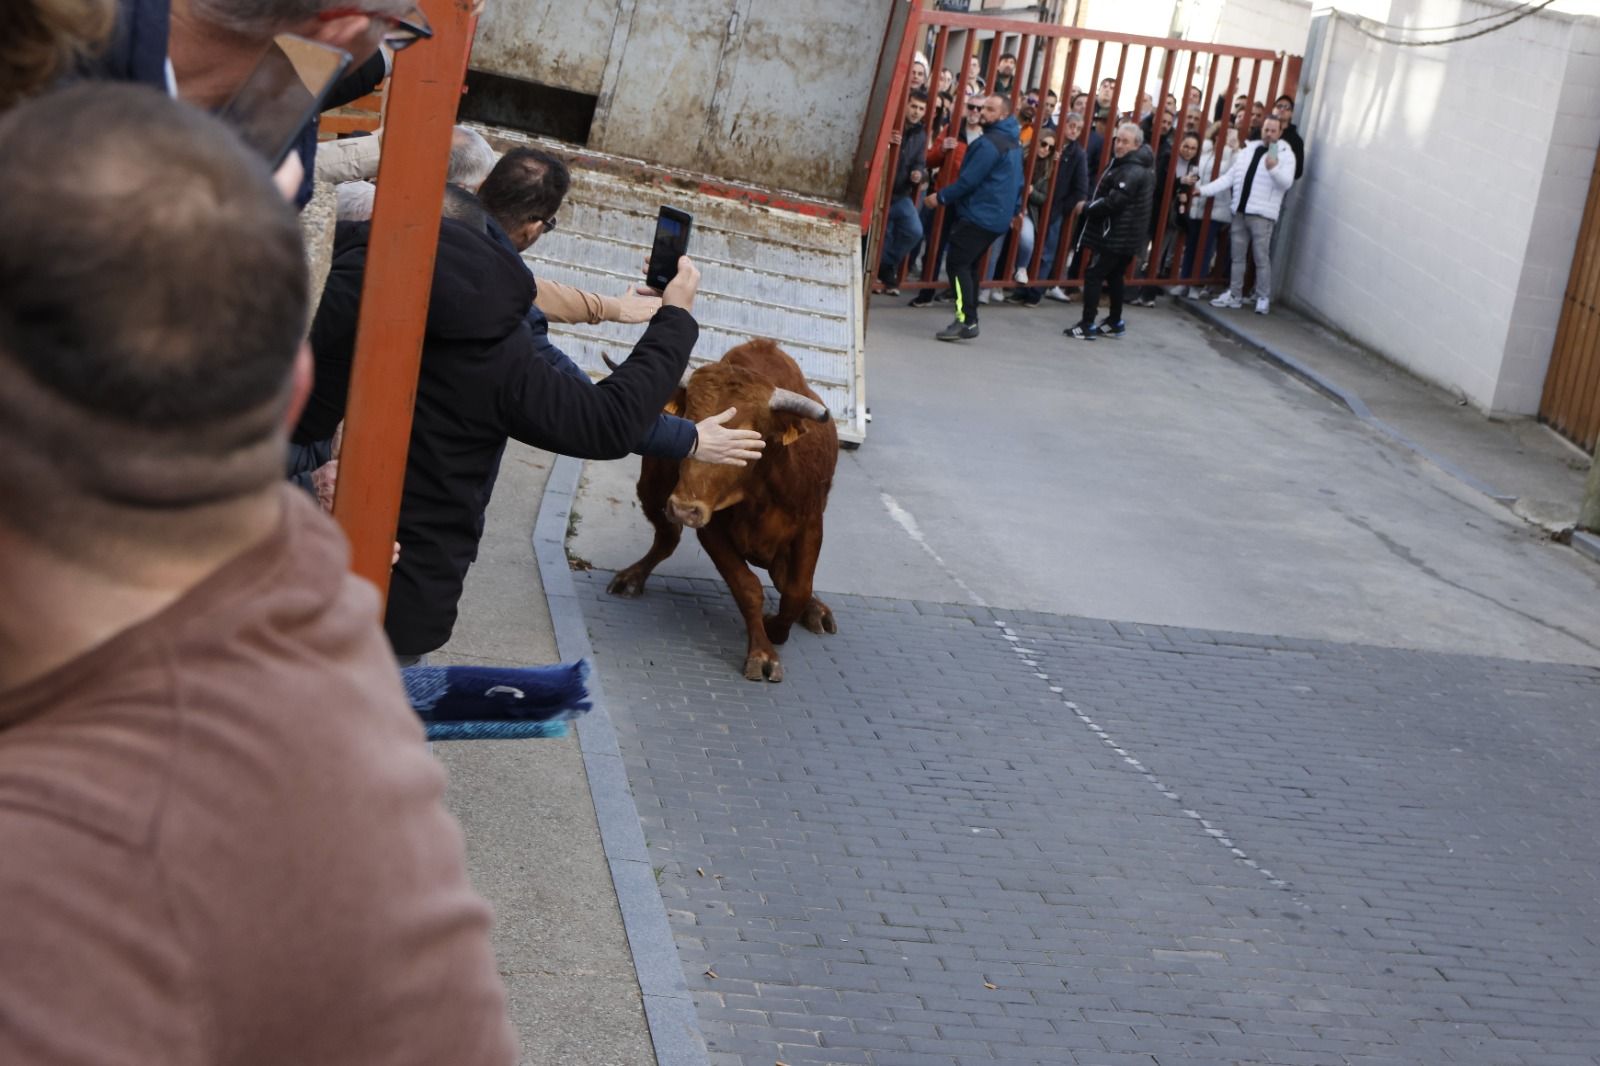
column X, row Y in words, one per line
column 671, row 244
column 283, row 93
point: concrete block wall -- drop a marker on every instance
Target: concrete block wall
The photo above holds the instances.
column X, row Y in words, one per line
column 1445, row 187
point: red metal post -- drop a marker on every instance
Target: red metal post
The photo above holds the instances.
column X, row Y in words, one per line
column 1111, row 112
column 423, row 95
column 941, row 45
column 880, row 184
column 957, row 118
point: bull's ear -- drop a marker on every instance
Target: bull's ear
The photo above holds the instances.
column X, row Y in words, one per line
column 679, row 401
column 793, row 432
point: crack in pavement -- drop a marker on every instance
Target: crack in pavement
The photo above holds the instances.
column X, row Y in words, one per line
column 1410, row 558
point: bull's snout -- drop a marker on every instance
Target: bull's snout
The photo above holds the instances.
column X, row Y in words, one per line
column 691, row 513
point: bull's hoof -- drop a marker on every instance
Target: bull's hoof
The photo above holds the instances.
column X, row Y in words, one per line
column 761, row 666
column 629, row 582
column 818, row 617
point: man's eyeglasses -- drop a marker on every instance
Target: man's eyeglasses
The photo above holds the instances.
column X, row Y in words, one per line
column 549, row 223
column 974, row 107
column 402, row 32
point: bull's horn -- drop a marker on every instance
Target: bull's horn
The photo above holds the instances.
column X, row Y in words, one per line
column 784, row 400
column 611, row 364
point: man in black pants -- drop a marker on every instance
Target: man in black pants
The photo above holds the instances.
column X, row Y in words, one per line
column 988, row 194
column 1116, row 228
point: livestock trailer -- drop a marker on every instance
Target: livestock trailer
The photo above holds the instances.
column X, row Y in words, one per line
column 759, row 118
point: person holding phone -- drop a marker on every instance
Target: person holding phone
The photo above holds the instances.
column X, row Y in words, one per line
column 488, row 376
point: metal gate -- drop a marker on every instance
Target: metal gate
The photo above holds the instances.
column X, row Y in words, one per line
column 1571, row 401
column 1061, row 58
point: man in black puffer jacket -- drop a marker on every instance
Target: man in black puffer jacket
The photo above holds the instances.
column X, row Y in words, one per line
column 1116, row 228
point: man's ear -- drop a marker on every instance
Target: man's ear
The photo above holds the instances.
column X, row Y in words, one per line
column 300, row 380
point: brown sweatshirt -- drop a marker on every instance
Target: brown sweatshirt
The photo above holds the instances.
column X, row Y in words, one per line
column 222, row 841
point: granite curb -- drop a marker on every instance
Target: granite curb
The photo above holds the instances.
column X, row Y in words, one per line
column 669, row 1009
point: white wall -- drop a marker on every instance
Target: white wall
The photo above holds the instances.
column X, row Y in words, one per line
column 1444, row 191
column 1276, row 25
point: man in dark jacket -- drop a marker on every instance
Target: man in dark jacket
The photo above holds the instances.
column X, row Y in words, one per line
column 482, row 382
column 1284, row 109
column 988, row 195
column 1116, row 228
column 903, row 224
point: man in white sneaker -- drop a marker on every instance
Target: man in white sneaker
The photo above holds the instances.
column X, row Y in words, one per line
column 1259, row 177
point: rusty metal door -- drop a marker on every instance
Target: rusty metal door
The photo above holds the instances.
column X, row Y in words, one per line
column 1571, row 401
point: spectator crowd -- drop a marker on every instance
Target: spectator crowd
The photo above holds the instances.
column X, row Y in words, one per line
column 1081, row 202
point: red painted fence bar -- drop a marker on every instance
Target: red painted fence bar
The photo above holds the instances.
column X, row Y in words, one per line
column 423, row 95
column 1051, row 58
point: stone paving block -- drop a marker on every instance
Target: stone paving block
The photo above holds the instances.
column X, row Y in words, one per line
column 1206, row 847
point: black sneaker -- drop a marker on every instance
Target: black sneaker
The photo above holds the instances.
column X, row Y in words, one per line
column 946, row 296
column 922, row 299
column 1080, row 332
column 1109, row 328
column 958, row 331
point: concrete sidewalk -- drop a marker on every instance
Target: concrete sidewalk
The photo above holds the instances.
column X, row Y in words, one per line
column 1515, row 460
column 534, row 847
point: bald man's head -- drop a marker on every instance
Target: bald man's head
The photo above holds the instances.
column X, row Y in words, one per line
column 152, row 303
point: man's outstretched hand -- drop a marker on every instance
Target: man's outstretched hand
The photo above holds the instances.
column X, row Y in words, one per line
column 681, row 289
column 724, row 446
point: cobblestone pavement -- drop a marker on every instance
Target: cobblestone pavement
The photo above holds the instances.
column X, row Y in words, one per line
column 956, row 835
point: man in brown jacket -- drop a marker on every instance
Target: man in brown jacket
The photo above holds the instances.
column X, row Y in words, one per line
column 221, row 835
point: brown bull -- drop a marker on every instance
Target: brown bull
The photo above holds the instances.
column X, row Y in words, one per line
column 768, row 514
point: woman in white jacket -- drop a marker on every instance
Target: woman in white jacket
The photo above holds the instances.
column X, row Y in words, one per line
column 1213, row 235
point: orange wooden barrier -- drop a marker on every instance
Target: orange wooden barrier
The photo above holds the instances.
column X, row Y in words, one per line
column 424, row 92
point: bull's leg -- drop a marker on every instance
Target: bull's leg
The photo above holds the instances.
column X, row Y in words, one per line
column 793, row 574
column 761, row 658
column 656, row 479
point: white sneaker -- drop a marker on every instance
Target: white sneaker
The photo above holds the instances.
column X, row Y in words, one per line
column 1055, row 293
column 1263, row 305
column 1021, row 276
column 1196, row 292
column 985, row 295
column 1227, row 299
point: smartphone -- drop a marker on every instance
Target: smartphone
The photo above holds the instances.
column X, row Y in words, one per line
column 671, row 244
column 283, row 93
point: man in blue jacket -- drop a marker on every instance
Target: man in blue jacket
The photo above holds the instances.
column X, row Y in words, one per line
column 987, row 196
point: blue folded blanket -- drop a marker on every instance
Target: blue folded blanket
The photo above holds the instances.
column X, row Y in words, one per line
column 498, row 702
